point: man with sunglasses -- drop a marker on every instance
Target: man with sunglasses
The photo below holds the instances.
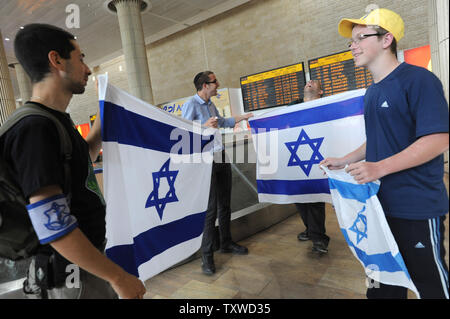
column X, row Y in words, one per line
column 406, row 119
column 201, row 108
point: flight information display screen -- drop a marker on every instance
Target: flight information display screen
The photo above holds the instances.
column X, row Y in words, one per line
column 338, row 73
column 273, row 88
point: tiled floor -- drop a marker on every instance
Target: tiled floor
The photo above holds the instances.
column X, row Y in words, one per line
column 278, row 266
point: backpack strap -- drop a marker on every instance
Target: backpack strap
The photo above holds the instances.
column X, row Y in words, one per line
column 65, row 143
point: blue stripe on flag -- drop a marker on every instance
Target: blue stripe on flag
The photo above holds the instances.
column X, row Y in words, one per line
column 155, row 241
column 384, row 262
column 359, row 192
column 323, row 113
column 293, row 187
column 125, row 127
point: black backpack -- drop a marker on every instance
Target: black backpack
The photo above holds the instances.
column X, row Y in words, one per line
column 17, row 237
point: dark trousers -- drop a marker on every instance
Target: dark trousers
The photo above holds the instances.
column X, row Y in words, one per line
column 218, row 206
column 421, row 244
column 313, row 216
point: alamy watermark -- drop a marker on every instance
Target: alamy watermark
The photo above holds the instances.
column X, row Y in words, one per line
column 204, row 145
column 73, row 277
column 73, row 17
column 372, row 276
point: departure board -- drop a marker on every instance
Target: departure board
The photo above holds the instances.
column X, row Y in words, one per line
column 273, row 88
column 338, row 73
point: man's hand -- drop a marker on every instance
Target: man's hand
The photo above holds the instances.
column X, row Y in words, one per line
column 333, row 163
column 238, row 118
column 128, row 286
column 365, row 172
column 211, row 122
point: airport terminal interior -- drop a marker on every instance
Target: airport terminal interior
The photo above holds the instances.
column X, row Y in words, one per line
column 263, row 52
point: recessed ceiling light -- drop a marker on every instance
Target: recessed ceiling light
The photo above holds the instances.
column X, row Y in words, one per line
column 7, row 39
column 22, row 28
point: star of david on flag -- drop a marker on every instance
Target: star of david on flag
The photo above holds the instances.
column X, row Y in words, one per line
column 359, row 226
column 291, row 141
column 364, row 226
column 153, row 198
column 314, row 144
column 154, row 190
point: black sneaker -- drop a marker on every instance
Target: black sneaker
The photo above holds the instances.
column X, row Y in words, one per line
column 303, row 236
column 234, row 249
column 208, row 266
column 320, row 246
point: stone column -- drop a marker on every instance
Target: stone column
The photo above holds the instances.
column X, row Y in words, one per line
column 132, row 34
column 24, row 82
column 7, row 101
column 438, row 32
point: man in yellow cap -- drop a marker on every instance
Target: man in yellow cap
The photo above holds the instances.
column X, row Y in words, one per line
column 406, row 119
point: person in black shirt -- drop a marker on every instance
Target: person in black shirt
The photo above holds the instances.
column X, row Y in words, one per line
column 71, row 228
column 313, row 214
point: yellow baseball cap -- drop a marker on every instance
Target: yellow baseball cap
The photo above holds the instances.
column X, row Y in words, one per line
column 385, row 18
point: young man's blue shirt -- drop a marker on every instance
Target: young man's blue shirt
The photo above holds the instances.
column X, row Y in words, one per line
column 406, row 105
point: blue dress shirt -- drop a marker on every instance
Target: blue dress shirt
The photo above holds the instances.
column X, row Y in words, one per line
column 196, row 109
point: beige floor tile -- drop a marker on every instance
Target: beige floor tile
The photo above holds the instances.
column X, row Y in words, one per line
column 249, row 282
column 243, row 295
column 272, row 290
column 345, row 278
column 287, row 289
column 166, row 284
column 303, row 272
column 251, row 263
column 156, row 297
column 195, row 289
column 260, row 238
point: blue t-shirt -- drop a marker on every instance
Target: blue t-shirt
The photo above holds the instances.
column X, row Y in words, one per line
column 406, row 105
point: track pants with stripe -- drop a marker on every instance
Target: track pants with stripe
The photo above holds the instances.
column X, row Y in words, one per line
column 421, row 243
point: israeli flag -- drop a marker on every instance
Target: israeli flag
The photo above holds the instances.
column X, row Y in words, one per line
column 290, row 142
column 366, row 230
column 157, row 174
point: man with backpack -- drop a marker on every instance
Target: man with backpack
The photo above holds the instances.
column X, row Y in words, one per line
column 69, row 220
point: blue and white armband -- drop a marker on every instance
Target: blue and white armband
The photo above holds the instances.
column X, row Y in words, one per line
column 51, row 218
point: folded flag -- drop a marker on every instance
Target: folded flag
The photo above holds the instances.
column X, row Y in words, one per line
column 366, row 230
column 157, row 173
column 290, row 142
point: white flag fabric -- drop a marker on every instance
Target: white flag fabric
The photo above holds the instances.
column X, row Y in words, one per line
column 363, row 223
column 290, row 142
column 156, row 203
